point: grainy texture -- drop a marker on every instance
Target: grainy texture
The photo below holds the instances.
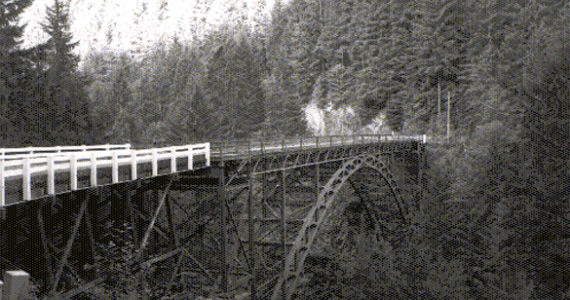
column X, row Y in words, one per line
column 486, row 198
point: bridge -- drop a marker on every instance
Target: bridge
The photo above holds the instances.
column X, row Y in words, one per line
column 238, row 217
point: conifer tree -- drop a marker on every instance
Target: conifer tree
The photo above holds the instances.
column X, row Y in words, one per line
column 371, row 23
column 65, row 88
column 12, row 70
column 233, row 83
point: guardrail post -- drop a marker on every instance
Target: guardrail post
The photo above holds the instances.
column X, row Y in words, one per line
column 26, row 179
column 154, row 163
column 208, row 155
column 115, row 167
column 317, row 141
column 73, row 172
column 51, row 175
column 172, row 160
column 133, row 165
column 191, row 158
column 2, row 185
column 93, row 177
column 301, row 143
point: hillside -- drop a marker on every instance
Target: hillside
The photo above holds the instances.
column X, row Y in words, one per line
column 135, row 27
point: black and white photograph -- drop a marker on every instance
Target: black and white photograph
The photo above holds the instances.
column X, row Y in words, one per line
column 284, row 149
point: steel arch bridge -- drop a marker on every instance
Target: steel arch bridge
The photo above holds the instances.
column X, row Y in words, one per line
column 241, row 219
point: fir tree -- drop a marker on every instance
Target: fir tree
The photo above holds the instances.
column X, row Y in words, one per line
column 65, row 88
column 12, row 71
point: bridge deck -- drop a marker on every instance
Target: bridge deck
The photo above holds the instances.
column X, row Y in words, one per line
column 242, row 149
column 36, row 172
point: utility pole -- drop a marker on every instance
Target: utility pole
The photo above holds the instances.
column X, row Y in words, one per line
column 448, row 113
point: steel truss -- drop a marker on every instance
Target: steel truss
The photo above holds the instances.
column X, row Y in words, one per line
column 244, row 226
column 286, row 198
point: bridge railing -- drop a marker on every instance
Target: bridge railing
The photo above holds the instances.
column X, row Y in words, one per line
column 18, row 153
column 16, row 165
column 253, row 146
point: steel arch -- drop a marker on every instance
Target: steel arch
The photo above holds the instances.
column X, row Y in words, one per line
column 295, row 259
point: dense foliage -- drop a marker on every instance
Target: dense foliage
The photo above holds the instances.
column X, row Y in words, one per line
column 494, row 222
column 43, row 100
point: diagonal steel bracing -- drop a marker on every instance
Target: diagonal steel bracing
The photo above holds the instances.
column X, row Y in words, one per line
column 258, row 212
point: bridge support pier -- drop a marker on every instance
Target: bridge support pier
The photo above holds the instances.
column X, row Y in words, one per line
column 219, row 173
column 251, row 238
column 283, row 217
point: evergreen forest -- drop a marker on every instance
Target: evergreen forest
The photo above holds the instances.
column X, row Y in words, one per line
column 495, row 218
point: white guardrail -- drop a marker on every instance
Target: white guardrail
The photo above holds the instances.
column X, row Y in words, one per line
column 27, row 162
column 15, row 153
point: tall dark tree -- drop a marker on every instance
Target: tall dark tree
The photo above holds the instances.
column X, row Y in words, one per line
column 12, row 70
column 65, row 88
column 293, row 68
column 233, row 83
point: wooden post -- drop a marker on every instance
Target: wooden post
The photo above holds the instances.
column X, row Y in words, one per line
column 26, row 179
column 73, row 172
column 2, row 185
column 208, row 160
column 115, row 167
column 154, row 163
column 191, row 158
column 51, row 175
column 172, row 160
column 93, row 177
column 133, row 165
